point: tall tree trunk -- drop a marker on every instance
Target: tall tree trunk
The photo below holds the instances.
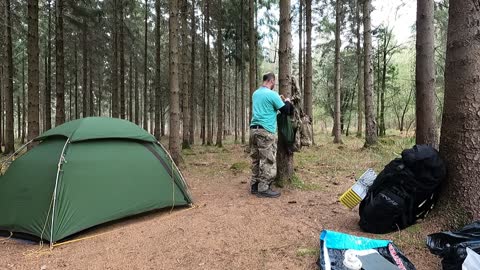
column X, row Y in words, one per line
column 121, row 44
column 9, row 127
column 209, row 95
column 383, row 88
column 300, row 47
column 221, row 97
column 24, row 104
column 115, row 111
column 76, row 81
column 158, row 89
column 460, row 133
column 360, row 94
column 284, row 158
column 99, row 95
column 193, row 97
column 308, row 62
column 252, row 54
column 19, row 118
column 370, row 125
column 33, row 69
column 85, row 70
column 59, row 66
column 426, row 132
column 174, row 138
column 48, row 72
column 236, row 92
column 337, row 125
column 91, row 108
column 203, row 119
column 130, row 89
column 137, row 98
column 185, row 93
column 242, row 71
column 145, row 71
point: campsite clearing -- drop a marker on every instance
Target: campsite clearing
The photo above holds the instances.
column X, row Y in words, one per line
column 230, row 228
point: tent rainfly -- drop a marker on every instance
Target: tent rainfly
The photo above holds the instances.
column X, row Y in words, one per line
column 84, row 173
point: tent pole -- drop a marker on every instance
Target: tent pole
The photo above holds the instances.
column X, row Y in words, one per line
column 59, row 167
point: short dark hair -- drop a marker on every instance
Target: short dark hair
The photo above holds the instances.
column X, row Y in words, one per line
column 268, row 76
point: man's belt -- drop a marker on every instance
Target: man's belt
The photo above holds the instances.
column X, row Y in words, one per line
column 256, row 127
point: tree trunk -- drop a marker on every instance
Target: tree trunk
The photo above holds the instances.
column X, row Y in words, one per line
column 85, row 70
column 221, row 97
column 284, row 158
column 370, row 125
column 460, row 135
column 383, row 88
column 19, row 117
column 59, row 66
column 185, row 93
column 174, row 136
column 48, row 73
column 121, row 44
column 115, row 112
column 252, row 54
column 360, row 94
column 145, row 71
column 130, row 89
column 158, row 88
column 33, row 69
column 76, row 81
column 236, row 93
column 137, row 98
column 242, row 72
column 208, row 90
column 99, row 95
column 300, row 48
column 193, row 97
column 24, row 104
column 203, row 119
column 308, row 63
column 9, row 127
column 337, row 125
column 426, row 132
column 91, row 108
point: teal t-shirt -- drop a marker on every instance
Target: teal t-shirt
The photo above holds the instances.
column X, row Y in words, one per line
column 265, row 104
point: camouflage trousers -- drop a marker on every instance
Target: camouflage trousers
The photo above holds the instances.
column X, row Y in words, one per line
column 263, row 151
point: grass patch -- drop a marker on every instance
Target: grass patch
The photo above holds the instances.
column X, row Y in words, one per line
column 302, row 252
column 298, row 183
column 239, row 167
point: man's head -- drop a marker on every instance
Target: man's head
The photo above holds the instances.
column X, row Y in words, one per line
column 269, row 80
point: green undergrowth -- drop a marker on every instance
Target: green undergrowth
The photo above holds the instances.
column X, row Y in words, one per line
column 308, row 251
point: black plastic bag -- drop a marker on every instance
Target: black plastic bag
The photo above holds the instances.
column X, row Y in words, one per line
column 452, row 246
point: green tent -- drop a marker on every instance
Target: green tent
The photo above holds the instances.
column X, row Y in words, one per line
column 84, row 173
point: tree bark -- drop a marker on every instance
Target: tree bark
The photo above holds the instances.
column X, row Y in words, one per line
column 383, row 89
column 242, row 71
column 193, row 97
column 221, row 97
column 76, row 80
column 300, row 48
column 130, row 89
column 85, row 70
column 24, row 104
column 426, row 132
column 91, row 108
column 370, row 124
column 284, row 158
column 9, row 127
column 360, row 95
column 158, row 88
column 174, row 144
column 308, row 63
column 203, row 119
column 48, row 72
column 137, row 98
column 185, row 65
column 59, row 66
column 121, row 44
column 252, row 53
column 337, row 115
column 460, row 134
column 145, row 71
column 209, row 95
column 33, row 69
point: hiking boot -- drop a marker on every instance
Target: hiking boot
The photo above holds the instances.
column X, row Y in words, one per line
column 269, row 193
column 254, row 188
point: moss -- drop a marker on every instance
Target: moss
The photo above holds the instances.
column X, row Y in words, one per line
column 302, row 252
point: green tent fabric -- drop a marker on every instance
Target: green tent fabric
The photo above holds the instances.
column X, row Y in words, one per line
column 109, row 169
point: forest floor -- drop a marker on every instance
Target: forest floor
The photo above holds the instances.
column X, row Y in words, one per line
column 232, row 229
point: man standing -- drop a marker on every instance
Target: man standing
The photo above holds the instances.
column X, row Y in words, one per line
column 265, row 104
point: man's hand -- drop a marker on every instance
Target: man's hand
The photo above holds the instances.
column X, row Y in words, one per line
column 284, row 99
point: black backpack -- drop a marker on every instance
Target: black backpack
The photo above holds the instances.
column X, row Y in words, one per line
column 406, row 190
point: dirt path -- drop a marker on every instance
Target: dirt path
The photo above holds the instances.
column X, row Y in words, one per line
column 230, row 229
